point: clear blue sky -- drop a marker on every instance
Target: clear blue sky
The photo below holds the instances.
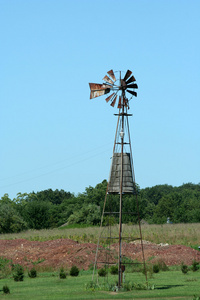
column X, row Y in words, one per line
column 53, row 135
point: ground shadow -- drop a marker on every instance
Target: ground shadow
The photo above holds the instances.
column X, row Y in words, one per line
column 166, row 287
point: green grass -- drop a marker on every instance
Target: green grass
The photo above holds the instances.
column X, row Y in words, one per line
column 183, row 234
column 75, row 226
column 168, row 285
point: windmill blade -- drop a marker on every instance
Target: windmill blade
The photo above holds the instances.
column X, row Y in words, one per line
column 108, row 98
column 127, row 75
column 113, row 102
column 120, row 102
column 111, row 97
column 132, row 93
column 98, row 86
column 94, row 94
column 107, row 79
column 125, row 102
column 111, row 74
column 133, row 85
column 131, row 79
column 98, row 90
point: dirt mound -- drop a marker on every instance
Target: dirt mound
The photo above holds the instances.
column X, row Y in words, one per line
column 66, row 252
column 170, row 254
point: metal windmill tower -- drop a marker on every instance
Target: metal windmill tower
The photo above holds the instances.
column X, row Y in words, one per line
column 122, row 179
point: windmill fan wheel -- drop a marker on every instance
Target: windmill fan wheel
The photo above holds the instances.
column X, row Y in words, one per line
column 114, row 86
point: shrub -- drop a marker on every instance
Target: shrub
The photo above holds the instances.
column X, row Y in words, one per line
column 184, row 268
column 62, row 274
column 156, row 268
column 32, row 273
column 91, row 286
column 114, row 270
column 6, row 289
column 195, row 266
column 140, row 286
column 74, row 271
column 102, row 272
column 127, row 286
column 18, row 273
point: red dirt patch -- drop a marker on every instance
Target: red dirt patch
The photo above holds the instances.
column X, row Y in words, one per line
column 66, row 252
column 170, row 254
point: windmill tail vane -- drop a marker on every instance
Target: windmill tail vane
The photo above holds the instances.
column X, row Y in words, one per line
column 127, row 84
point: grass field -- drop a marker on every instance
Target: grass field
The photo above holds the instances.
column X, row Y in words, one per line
column 171, row 284
column 174, row 234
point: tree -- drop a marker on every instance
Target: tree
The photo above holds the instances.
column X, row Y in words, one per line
column 96, row 195
column 10, row 220
column 37, row 214
column 5, row 199
column 155, row 193
column 89, row 214
column 55, row 197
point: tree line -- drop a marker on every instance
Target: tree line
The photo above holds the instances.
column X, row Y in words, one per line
column 50, row 209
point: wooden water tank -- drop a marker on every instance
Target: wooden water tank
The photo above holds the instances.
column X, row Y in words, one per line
column 115, row 175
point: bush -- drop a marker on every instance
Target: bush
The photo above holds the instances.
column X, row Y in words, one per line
column 102, row 272
column 6, row 289
column 74, row 271
column 32, row 273
column 156, row 268
column 195, row 266
column 184, row 268
column 114, row 270
column 91, row 286
column 127, row 286
column 18, row 273
column 62, row 274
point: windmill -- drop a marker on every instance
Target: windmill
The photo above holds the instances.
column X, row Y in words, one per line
column 122, row 179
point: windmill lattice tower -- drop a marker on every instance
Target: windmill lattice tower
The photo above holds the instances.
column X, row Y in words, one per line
column 121, row 179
